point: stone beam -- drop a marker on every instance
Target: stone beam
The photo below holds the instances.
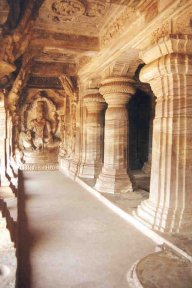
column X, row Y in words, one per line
column 77, row 43
column 53, row 69
column 135, row 30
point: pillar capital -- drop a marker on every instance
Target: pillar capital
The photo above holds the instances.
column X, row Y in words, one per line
column 94, row 102
column 170, row 56
column 170, row 64
column 117, row 90
column 174, row 43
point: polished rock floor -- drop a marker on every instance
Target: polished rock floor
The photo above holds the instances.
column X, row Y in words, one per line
column 68, row 239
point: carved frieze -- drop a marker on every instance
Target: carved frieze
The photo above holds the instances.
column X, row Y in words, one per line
column 162, row 31
column 118, row 25
column 177, row 25
column 183, row 24
column 67, row 10
column 83, row 17
column 44, row 82
column 96, row 8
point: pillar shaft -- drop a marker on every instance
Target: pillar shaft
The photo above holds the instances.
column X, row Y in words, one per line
column 114, row 176
column 169, row 207
column 93, row 150
column 3, row 179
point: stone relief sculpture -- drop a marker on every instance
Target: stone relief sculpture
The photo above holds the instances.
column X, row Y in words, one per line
column 42, row 134
column 38, row 141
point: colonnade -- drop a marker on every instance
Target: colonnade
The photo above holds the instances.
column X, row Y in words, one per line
column 168, row 70
column 103, row 153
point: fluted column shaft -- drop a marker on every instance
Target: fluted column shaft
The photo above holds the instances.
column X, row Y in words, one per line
column 169, row 207
column 93, row 154
column 114, row 176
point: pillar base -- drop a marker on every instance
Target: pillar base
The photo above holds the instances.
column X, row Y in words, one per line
column 89, row 170
column 164, row 219
column 113, row 181
column 74, row 167
column 64, row 165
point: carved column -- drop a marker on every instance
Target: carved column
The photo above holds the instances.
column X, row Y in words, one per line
column 169, row 72
column 3, row 129
column 93, row 150
column 114, row 176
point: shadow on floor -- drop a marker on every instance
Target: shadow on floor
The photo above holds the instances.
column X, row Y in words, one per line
column 26, row 238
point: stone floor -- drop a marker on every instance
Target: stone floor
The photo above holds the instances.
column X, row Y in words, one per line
column 130, row 201
column 176, row 271
column 68, row 239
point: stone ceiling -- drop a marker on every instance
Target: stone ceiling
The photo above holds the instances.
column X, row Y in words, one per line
column 91, row 38
column 66, row 32
column 81, row 17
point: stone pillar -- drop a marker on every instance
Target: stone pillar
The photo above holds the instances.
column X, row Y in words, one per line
column 169, row 72
column 114, row 176
column 3, row 133
column 93, row 154
column 147, row 165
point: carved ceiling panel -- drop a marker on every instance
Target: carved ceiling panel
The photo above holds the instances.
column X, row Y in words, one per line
column 56, row 55
column 84, row 17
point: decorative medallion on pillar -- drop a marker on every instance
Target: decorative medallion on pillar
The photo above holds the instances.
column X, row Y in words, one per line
column 114, row 177
column 169, row 72
column 93, row 152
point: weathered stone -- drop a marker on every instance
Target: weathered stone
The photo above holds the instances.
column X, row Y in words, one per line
column 93, row 151
column 169, row 206
column 114, row 177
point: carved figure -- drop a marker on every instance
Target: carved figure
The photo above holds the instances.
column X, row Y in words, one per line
column 40, row 128
column 25, row 140
column 42, row 131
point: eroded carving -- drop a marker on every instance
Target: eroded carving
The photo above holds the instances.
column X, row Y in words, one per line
column 37, row 139
column 67, row 10
column 96, row 8
column 118, row 25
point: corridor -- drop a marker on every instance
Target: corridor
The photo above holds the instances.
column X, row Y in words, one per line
column 68, row 239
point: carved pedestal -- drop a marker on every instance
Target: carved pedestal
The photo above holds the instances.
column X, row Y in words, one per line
column 93, row 150
column 114, row 176
column 169, row 72
column 46, row 159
